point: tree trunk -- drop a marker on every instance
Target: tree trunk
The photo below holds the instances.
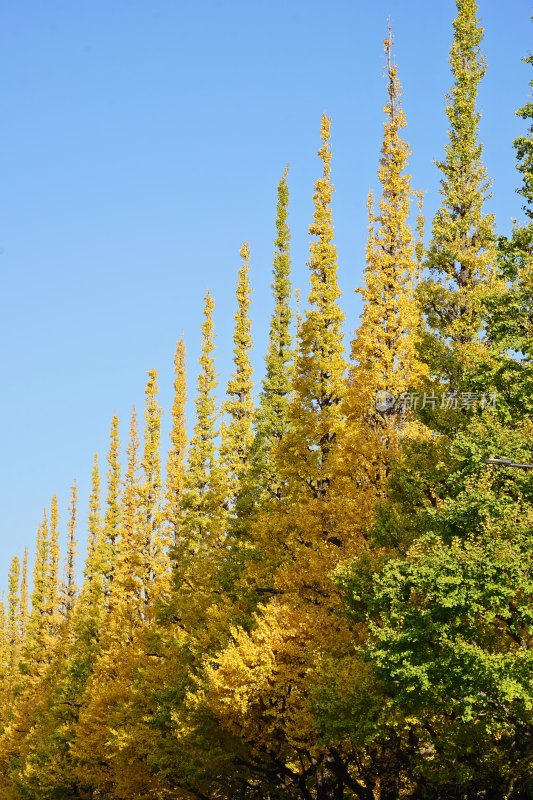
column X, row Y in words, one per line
column 329, row 787
column 389, row 770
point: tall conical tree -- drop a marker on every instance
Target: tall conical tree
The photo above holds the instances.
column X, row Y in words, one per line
column 262, row 483
column 13, row 617
column 156, row 538
column 524, row 152
column 511, row 308
column 127, row 602
column 461, row 253
column 272, row 415
column 52, row 582
column 24, row 611
column 94, row 595
column 202, row 548
column 197, row 497
column 308, row 451
column 385, row 347
column 39, row 593
column 320, row 369
column 112, row 517
column 5, row 696
column 70, row 588
column 95, row 521
column 4, row 649
column 298, row 320
column 237, row 433
column 177, row 453
column 232, row 471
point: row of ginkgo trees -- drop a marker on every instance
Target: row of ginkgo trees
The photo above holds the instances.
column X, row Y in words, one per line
column 326, row 596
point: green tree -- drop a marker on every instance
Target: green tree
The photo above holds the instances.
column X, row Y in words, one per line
column 271, row 423
column 510, row 323
column 452, row 641
column 524, row 151
column 462, row 250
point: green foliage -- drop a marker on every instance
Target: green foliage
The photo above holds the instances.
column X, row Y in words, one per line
column 451, row 637
column 461, row 254
column 524, row 151
column 271, row 419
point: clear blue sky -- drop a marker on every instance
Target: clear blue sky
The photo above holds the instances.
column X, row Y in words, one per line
column 142, row 142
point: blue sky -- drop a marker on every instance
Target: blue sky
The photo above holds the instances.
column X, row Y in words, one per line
column 141, row 145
